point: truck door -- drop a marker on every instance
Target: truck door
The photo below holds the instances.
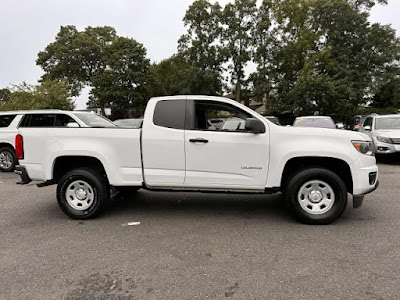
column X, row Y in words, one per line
column 226, row 157
column 163, row 147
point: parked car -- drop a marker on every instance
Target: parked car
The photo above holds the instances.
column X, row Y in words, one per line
column 314, row 121
column 357, row 122
column 234, row 124
column 273, row 119
column 8, row 129
column 384, row 131
column 129, row 123
column 175, row 149
column 216, row 123
column 10, row 121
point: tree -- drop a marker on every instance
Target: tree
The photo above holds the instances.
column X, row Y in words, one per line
column 388, row 95
column 50, row 94
column 97, row 57
column 237, row 20
column 200, row 50
column 119, row 84
column 175, row 76
column 199, row 45
column 5, row 95
column 327, row 57
column 263, row 39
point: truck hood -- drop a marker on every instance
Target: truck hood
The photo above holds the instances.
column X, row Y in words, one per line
column 322, row 133
column 392, row 133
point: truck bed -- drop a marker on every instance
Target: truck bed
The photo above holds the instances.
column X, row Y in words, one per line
column 118, row 149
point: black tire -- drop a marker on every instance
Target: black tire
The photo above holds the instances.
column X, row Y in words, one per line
column 100, row 191
column 323, row 214
column 9, row 152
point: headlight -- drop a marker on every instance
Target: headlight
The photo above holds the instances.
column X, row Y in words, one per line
column 384, row 139
column 364, row 147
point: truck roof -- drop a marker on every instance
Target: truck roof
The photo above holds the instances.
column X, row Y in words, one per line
column 192, row 97
column 12, row 112
column 41, row 111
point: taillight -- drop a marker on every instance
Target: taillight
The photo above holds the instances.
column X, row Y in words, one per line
column 19, row 146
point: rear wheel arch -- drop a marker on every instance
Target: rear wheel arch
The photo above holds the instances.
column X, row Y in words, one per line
column 64, row 164
column 336, row 165
column 7, row 145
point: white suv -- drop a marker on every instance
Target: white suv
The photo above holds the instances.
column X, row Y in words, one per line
column 384, row 130
column 11, row 121
column 8, row 129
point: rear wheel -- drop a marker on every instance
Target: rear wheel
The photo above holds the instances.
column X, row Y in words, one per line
column 316, row 195
column 8, row 159
column 83, row 193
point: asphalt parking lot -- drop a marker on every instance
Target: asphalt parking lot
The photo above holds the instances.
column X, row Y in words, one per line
column 198, row 246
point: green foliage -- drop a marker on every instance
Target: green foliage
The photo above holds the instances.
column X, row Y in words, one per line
column 237, row 21
column 328, row 57
column 119, row 84
column 175, row 76
column 388, row 95
column 114, row 67
column 264, row 41
column 197, row 69
column 5, row 95
column 49, row 94
column 310, row 55
column 198, row 46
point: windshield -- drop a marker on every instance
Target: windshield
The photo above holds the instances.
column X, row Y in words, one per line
column 314, row 122
column 130, row 123
column 94, row 120
column 387, row 123
column 273, row 120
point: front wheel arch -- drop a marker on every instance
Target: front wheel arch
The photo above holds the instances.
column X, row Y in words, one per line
column 336, row 165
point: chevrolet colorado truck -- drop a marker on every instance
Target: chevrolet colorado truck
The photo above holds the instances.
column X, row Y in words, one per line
column 177, row 148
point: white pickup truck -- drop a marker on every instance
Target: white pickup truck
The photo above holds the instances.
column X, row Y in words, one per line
column 178, row 148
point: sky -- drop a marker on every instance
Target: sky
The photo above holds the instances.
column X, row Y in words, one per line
column 27, row 27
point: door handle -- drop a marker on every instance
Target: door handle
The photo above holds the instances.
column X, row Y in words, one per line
column 198, row 140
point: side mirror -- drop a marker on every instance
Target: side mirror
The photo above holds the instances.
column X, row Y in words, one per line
column 340, row 125
column 367, row 128
column 254, row 125
column 73, row 125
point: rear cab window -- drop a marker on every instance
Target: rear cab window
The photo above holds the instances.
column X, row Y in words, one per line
column 170, row 114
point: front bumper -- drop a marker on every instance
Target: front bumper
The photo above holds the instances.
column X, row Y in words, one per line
column 385, row 148
column 25, row 179
column 365, row 175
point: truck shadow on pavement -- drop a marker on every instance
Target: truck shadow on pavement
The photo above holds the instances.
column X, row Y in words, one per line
column 200, row 205
column 389, row 159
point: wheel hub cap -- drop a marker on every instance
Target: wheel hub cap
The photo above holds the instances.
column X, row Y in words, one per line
column 6, row 160
column 79, row 195
column 315, row 196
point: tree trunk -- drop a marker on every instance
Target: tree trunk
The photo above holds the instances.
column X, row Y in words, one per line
column 247, row 101
column 103, row 111
column 237, row 91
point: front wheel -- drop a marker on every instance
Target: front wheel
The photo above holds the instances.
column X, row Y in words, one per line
column 83, row 193
column 7, row 159
column 317, row 196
